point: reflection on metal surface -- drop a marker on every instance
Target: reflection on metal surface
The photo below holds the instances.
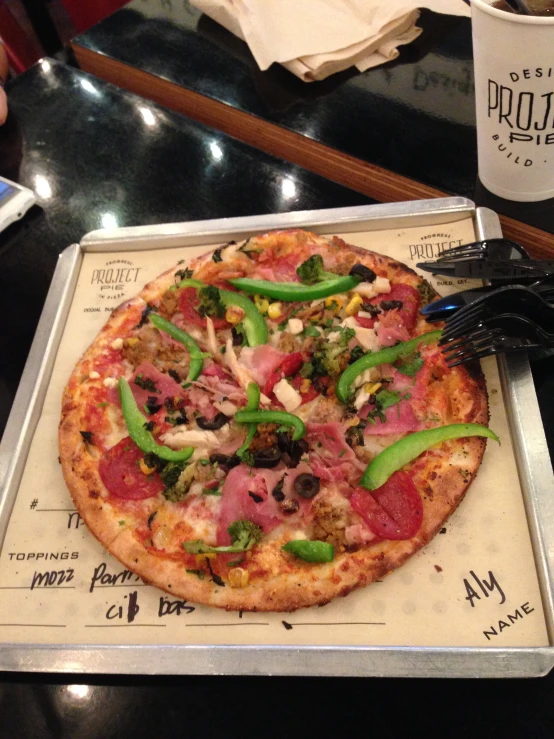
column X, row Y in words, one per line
column 147, row 116
column 108, row 220
column 216, row 150
column 45, row 65
column 43, row 188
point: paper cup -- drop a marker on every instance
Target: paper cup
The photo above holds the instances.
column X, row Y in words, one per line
column 514, row 92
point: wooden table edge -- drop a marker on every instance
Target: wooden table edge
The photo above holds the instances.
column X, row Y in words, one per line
column 369, row 179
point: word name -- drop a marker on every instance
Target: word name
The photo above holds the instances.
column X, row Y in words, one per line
column 168, row 607
column 43, row 555
column 486, row 588
column 512, row 618
column 49, row 579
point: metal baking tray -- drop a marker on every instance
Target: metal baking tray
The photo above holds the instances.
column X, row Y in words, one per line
column 524, row 416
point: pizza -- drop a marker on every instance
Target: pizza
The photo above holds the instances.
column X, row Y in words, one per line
column 271, row 425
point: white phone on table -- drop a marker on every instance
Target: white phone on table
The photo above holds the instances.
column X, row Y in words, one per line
column 15, row 201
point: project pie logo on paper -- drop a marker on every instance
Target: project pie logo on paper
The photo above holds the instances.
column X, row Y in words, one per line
column 432, row 246
column 113, row 279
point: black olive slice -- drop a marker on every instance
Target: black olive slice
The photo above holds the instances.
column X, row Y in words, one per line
column 226, row 461
column 216, row 423
column 306, row 485
column 360, row 270
column 292, row 450
column 267, row 457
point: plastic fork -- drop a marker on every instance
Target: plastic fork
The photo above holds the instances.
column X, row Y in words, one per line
column 507, row 332
column 486, row 249
column 512, row 298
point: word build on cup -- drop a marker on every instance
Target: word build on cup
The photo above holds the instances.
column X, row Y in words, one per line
column 514, row 93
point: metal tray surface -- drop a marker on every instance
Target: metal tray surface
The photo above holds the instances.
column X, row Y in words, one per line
column 529, row 441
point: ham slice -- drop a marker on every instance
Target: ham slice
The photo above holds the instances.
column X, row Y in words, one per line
column 401, row 419
column 261, row 361
column 165, row 385
column 327, row 439
column 236, row 503
column 391, row 329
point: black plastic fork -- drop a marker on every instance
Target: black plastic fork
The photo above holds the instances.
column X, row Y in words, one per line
column 498, row 334
column 486, row 249
column 508, row 299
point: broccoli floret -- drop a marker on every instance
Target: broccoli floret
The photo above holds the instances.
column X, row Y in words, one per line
column 311, row 271
column 244, row 534
column 177, row 481
column 326, row 360
column 210, row 302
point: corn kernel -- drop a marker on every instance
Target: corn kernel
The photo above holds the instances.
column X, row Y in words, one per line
column 334, row 302
column 238, row 578
column 145, row 469
column 372, row 387
column 354, row 305
column 131, row 341
column 274, row 310
column 261, row 303
column 234, row 314
column 305, row 385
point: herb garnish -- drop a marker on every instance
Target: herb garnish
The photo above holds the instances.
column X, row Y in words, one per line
column 216, row 256
column 411, row 365
column 199, row 573
column 215, row 578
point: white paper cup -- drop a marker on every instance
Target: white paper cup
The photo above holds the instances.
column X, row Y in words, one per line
column 514, row 93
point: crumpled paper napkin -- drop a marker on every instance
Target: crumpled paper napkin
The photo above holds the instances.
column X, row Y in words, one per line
column 316, row 38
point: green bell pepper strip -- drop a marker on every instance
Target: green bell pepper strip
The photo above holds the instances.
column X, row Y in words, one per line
column 292, row 291
column 252, row 403
column 195, row 353
column 384, row 356
column 402, row 452
column 254, row 323
column 135, row 423
column 281, row 417
column 310, row 551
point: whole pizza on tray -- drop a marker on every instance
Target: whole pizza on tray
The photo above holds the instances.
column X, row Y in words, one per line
column 271, row 425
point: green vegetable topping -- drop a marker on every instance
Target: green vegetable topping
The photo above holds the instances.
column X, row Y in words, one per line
column 311, row 271
column 411, row 365
column 178, row 481
column 281, row 417
column 244, row 535
column 252, row 403
column 410, row 447
column 293, row 291
column 196, row 355
column 210, row 303
column 214, row 301
column 310, row 551
column 135, row 422
column 344, row 389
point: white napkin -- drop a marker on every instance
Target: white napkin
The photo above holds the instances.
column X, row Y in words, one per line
column 316, row 38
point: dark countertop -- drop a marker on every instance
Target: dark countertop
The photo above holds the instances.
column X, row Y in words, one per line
column 414, row 117
column 90, row 151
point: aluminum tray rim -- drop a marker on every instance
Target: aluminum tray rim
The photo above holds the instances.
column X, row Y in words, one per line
column 306, row 659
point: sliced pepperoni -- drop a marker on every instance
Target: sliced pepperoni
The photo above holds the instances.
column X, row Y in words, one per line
column 407, row 314
column 188, row 305
column 120, row 472
column 393, row 511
